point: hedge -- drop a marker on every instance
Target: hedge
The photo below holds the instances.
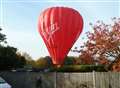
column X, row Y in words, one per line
column 79, row 68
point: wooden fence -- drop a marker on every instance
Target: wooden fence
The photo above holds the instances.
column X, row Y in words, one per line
column 88, row 80
column 62, row 80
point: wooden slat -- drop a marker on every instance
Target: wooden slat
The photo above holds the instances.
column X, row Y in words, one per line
column 85, row 80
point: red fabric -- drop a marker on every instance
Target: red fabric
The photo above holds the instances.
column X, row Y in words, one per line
column 60, row 27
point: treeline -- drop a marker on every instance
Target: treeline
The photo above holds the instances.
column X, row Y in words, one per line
column 9, row 59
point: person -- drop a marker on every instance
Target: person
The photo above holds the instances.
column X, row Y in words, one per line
column 39, row 82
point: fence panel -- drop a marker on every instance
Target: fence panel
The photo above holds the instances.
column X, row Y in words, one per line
column 74, row 80
column 107, row 79
column 88, row 80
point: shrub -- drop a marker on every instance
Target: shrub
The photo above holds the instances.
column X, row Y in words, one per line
column 80, row 68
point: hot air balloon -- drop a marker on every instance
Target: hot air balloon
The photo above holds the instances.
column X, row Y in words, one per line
column 59, row 27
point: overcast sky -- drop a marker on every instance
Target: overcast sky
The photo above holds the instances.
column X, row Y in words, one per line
column 19, row 19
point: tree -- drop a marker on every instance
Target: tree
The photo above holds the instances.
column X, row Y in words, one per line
column 29, row 61
column 8, row 57
column 2, row 38
column 26, row 55
column 86, row 57
column 103, row 44
column 69, row 60
column 44, row 62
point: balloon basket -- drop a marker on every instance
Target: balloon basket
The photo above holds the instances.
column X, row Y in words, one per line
column 56, row 67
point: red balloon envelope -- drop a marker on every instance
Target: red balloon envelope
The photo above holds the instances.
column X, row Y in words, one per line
column 60, row 27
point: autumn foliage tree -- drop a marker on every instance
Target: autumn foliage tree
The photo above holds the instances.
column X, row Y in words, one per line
column 43, row 62
column 103, row 44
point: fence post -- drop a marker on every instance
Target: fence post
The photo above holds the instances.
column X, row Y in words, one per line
column 55, row 86
column 94, row 84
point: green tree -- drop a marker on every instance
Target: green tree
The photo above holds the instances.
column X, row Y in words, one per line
column 69, row 60
column 2, row 38
column 30, row 63
column 8, row 57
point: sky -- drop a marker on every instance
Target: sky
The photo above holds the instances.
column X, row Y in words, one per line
column 19, row 20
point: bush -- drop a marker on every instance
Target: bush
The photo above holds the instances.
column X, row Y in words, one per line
column 80, row 68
